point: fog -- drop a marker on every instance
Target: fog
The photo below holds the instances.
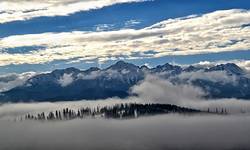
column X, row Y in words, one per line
column 158, row 132
column 171, row 131
column 10, row 111
column 10, row 81
column 152, row 90
column 157, row 90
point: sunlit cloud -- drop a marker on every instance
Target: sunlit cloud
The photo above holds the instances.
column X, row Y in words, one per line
column 245, row 64
column 10, row 81
column 218, row 31
column 131, row 23
column 16, row 10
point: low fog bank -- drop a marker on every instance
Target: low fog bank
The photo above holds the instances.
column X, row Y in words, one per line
column 157, row 90
column 172, row 131
column 158, row 132
column 152, row 90
column 13, row 110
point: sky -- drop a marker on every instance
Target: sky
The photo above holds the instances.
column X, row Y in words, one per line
column 40, row 36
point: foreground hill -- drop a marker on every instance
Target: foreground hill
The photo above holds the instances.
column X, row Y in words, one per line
column 220, row 81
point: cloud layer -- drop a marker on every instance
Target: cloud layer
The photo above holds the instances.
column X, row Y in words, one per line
column 153, row 89
column 10, row 81
column 14, row 10
column 219, row 31
column 163, row 132
column 214, row 76
column 244, row 64
column 158, row 90
column 213, row 132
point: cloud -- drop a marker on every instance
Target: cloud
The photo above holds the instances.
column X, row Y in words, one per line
column 108, row 74
column 158, row 132
column 92, row 75
column 104, row 27
column 14, row 10
column 244, row 64
column 66, row 80
column 212, row 132
column 218, row 31
column 154, row 89
column 15, row 110
column 131, row 23
column 10, row 81
column 214, row 76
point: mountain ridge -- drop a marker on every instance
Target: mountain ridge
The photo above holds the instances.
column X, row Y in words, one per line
column 116, row 80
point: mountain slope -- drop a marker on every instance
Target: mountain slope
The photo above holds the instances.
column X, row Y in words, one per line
column 221, row 81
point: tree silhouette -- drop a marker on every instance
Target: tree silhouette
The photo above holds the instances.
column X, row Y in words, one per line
column 118, row 111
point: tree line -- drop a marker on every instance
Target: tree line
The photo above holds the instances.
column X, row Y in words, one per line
column 118, row 111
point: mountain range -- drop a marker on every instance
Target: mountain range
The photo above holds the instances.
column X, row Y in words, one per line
column 219, row 81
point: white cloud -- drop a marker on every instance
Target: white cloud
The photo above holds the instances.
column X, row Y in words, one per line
column 190, row 132
column 244, row 64
column 155, row 89
column 66, row 80
column 214, row 76
column 10, row 81
column 152, row 90
column 91, row 76
column 104, row 27
column 131, row 23
column 13, row 10
column 13, row 110
column 219, row 31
